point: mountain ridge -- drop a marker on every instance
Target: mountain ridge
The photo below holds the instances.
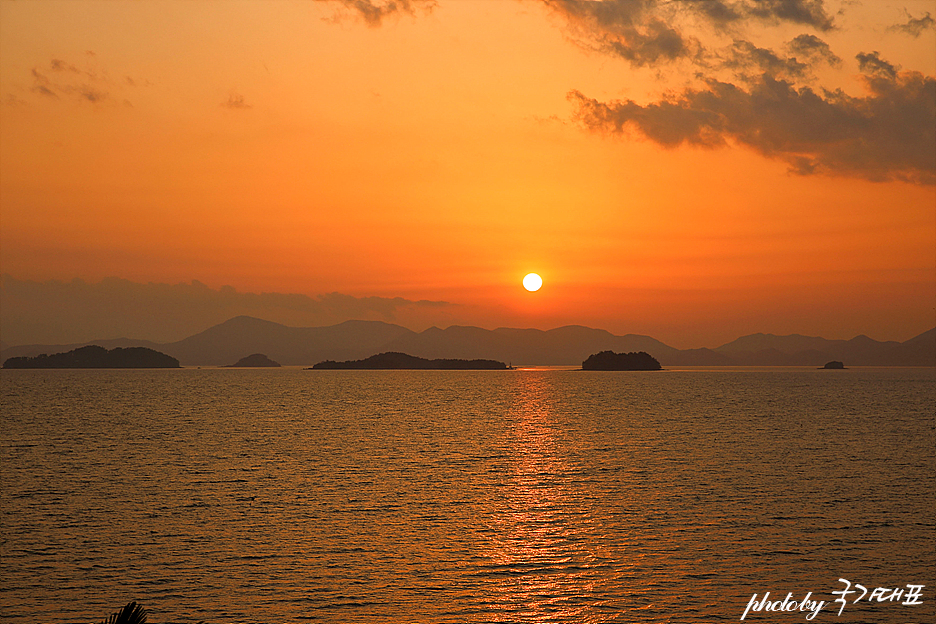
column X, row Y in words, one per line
column 567, row 345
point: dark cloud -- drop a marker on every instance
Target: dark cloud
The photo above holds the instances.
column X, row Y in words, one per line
column 873, row 64
column 722, row 13
column 915, row 26
column 750, row 63
column 889, row 134
column 719, row 13
column 814, row 50
column 646, row 32
column 235, row 101
column 804, row 12
column 55, row 312
column 631, row 30
column 744, row 57
column 374, row 12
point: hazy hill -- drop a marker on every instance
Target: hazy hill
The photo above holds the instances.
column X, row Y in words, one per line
column 355, row 340
column 796, row 350
column 243, row 335
column 565, row 345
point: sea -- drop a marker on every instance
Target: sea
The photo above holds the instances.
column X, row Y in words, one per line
column 766, row 495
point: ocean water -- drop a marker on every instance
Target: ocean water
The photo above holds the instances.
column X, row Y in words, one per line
column 283, row 495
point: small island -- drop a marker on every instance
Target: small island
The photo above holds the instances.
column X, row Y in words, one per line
column 833, row 365
column 94, row 356
column 255, row 360
column 396, row 361
column 611, row 361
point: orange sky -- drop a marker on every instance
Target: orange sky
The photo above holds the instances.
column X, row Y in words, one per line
column 437, row 154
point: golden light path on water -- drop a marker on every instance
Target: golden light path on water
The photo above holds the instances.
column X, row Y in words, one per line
column 546, row 555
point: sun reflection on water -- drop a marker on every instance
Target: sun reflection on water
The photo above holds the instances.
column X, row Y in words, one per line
column 544, row 562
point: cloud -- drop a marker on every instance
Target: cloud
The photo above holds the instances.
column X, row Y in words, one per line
column 58, row 65
column 759, row 97
column 814, row 50
column 722, row 14
column 12, row 100
column 749, row 62
column 56, row 312
column 235, row 101
column 648, row 32
column 374, row 12
column 915, row 26
column 632, row 30
column 804, row 12
column 90, row 94
column 61, row 79
column 874, row 65
column 81, row 81
column 42, row 85
column 744, row 57
column 889, row 134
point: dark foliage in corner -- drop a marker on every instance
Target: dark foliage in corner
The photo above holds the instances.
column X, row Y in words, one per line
column 130, row 614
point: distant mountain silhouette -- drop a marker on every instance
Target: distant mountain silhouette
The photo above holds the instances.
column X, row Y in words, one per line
column 796, row 350
column 287, row 345
column 394, row 360
column 256, row 360
column 94, row 356
column 562, row 346
column 355, row 340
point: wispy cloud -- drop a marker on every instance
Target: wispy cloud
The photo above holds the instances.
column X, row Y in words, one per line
column 235, row 101
column 374, row 12
column 64, row 80
column 914, row 26
column 889, row 134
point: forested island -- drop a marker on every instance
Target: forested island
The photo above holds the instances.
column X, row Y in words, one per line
column 94, row 356
column 611, row 361
column 393, row 360
column 256, row 360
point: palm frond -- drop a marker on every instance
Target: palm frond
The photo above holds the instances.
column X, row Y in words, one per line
column 131, row 614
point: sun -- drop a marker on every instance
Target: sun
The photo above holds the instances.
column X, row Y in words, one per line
column 532, row 282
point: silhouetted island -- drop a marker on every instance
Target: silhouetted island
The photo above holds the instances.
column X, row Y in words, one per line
column 255, row 360
column 393, row 360
column 611, row 361
column 834, row 365
column 94, row 356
